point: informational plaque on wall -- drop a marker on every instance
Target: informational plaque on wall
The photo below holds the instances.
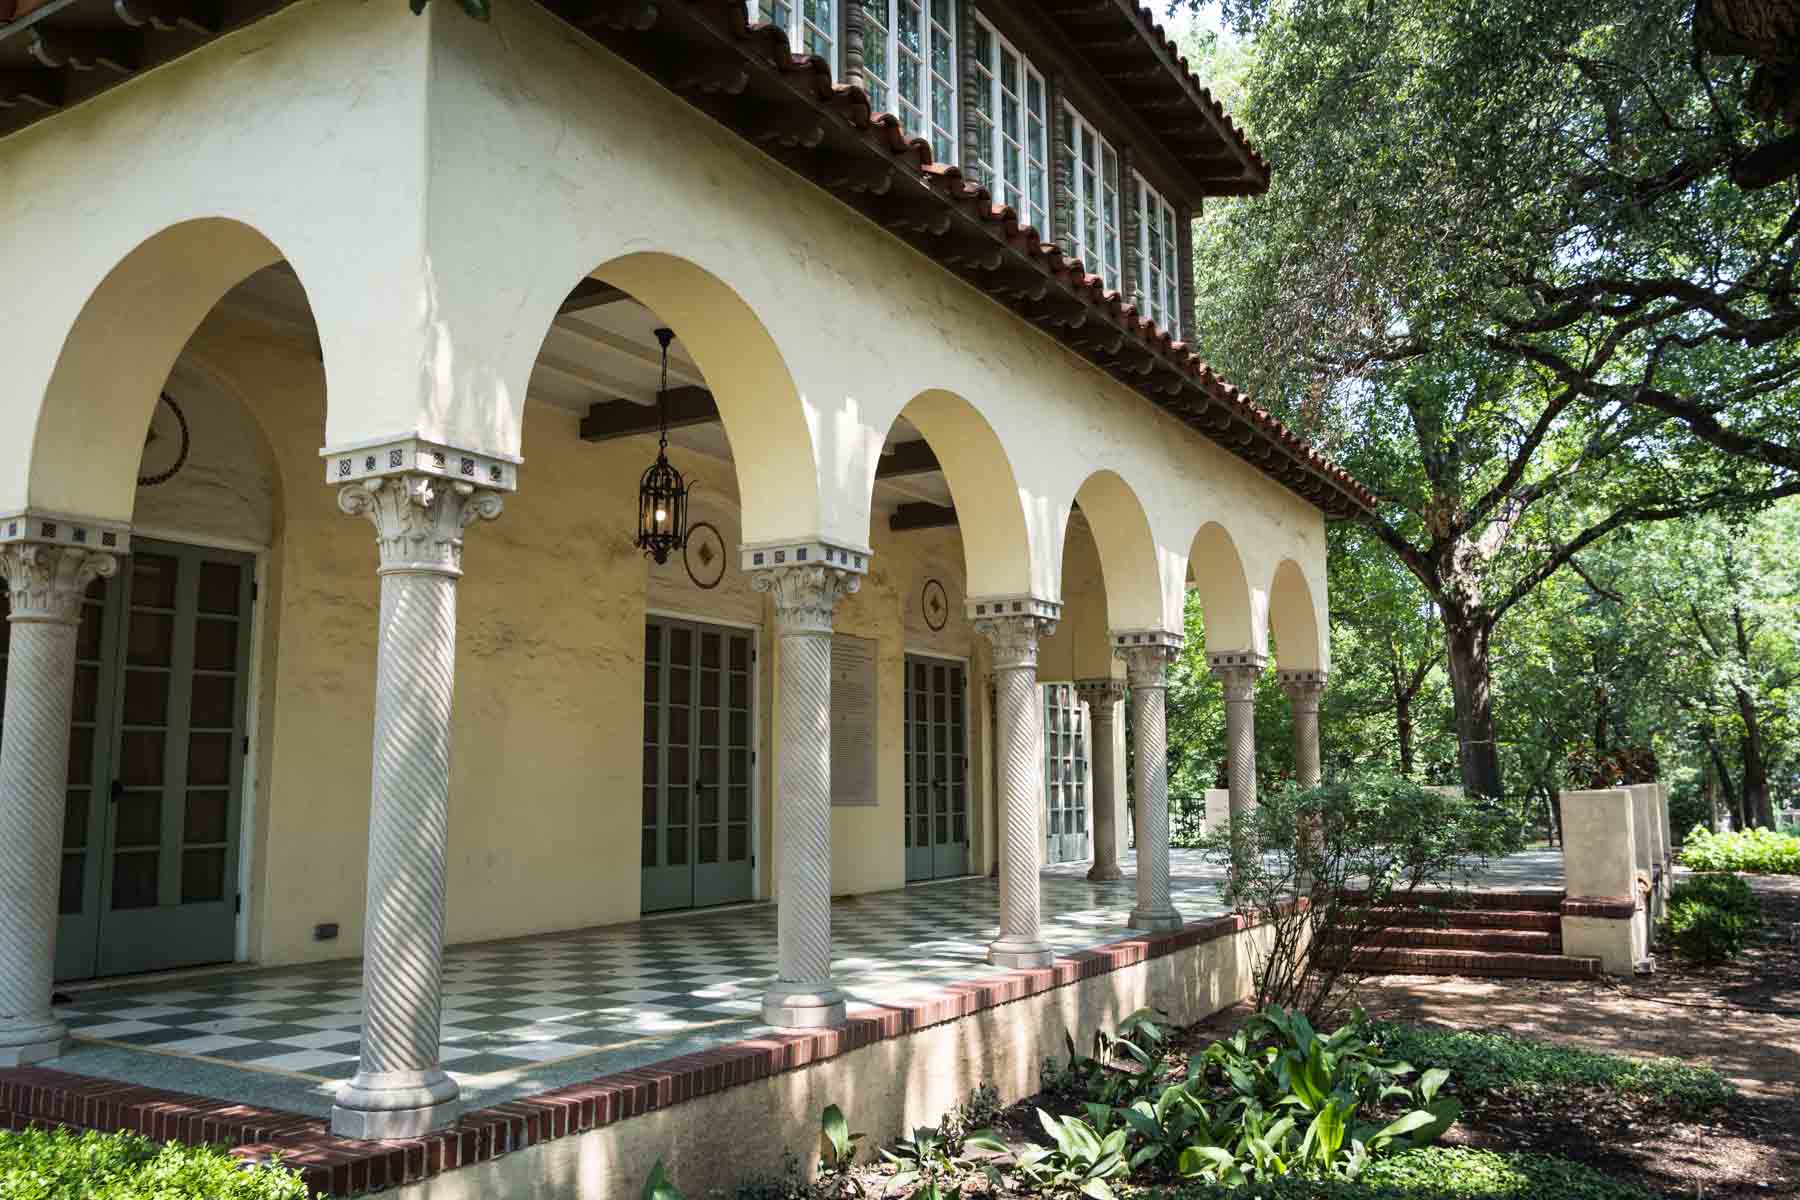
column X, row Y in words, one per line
column 852, row 720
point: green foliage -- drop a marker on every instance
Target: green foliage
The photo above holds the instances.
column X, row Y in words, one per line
column 929, row 1161
column 1758, row 851
column 837, row 1154
column 1079, row 1159
column 59, row 1165
column 658, row 1185
column 1709, row 917
column 1353, row 849
column 1435, row 1173
column 1485, row 1061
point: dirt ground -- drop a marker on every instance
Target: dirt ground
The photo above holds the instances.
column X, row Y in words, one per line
column 1742, row 1018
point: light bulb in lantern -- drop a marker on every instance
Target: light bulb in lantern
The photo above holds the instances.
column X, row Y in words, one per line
column 662, row 514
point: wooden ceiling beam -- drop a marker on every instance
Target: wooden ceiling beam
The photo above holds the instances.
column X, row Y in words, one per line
column 907, row 458
column 614, row 419
column 592, row 293
column 921, row 515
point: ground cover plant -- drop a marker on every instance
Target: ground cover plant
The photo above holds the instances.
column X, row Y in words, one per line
column 1489, row 1061
column 1757, row 851
column 1436, row 1173
column 1710, row 916
column 59, row 1165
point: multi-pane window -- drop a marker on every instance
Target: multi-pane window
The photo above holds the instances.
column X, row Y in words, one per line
column 1092, row 168
column 1012, row 122
column 909, row 67
column 811, row 24
column 1158, row 251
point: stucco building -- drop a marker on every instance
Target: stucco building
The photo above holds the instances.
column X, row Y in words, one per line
column 331, row 376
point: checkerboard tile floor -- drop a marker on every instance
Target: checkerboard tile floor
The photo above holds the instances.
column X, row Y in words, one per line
column 525, row 1015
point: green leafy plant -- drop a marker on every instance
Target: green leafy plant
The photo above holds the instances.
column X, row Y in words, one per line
column 1484, row 1061
column 1079, row 1159
column 1710, row 916
column 1139, row 1042
column 658, row 1186
column 1435, row 1173
column 978, row 1112
column 837, row 1154
column 1327, row 869
column 1757, row 851
column 928, row 1163
column 42, row 1164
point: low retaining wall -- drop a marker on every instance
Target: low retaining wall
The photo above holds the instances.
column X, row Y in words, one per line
column 716, row 1116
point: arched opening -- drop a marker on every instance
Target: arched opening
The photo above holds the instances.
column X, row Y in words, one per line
column 1293, row 620
column 1127, row 549
column 1217, row 574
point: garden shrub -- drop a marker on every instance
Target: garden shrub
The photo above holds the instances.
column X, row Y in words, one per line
column 1435, row 1173
column 1483, row 1061
column 1710, row 916
column 59, row 1165
column 1353, row 850
column 1757, row 851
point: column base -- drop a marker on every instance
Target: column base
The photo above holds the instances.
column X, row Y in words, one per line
column 1156, row 922
column 379, row 1106
column 1020, row 954
column 803, row 1005
column 1104, row 872
column 22, row 1044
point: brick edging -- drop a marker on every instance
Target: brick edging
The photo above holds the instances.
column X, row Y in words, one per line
column 43, row 1096
column 1616, row 908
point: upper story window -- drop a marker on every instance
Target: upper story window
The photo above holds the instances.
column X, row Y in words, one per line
column 1012, row 118
column 1159, row 251
column 1092, row 168
column 811, row 24
column 909, row 67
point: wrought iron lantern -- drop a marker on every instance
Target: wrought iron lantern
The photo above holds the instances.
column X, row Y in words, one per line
column 662, row 493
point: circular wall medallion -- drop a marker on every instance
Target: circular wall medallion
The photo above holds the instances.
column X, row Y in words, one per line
column 705, row 555
column 165, row 444
column 936, row 604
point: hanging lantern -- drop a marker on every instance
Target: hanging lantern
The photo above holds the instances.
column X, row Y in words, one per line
column 662, row 493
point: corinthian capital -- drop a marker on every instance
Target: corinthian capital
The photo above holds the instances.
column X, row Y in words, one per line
column 1238, row 670
column 419, row 519
column 45, row 583
column 805, row 594
column 1015, row 639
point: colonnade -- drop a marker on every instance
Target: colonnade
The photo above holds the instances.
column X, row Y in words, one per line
column 421, row 505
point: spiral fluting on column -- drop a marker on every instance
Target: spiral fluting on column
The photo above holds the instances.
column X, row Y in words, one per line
column 1145, row 669
column 1102, row 695
column 805, row 596
column 45, row 586
column 399, row 1089
column 1021, row 782
column 1239, row 671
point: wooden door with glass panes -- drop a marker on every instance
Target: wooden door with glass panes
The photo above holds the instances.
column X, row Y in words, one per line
column 1065, row 775
column 156, row 756
column 698, row 765
column 936, row 821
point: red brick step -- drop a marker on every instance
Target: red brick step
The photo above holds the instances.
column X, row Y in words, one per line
column 1533, row 941
column 1414, row 960
column 1474, row 918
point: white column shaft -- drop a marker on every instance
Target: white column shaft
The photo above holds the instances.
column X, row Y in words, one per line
column 400, row 1090
column 1102, row 697
column 46, row 585
column 1239, row 671
column 1146, row 667
column 1015, row 640
column 803, row 995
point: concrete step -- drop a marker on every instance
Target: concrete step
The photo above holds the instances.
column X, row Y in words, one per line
column 1406, row 960
column 1476, row 918
column 1532, row 941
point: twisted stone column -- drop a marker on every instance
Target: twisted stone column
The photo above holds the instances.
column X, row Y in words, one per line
column 1102, row 697
column 803, row 995
column 45, row 584
column 1145, row 667
column 1015, row 640
column 1239, row 670
column 1304, row 688
column 400, row 1090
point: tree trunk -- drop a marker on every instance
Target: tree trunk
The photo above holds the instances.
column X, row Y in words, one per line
column 1403, row 726
column 1553, row 809
column 1733, row 814
column 1466, row 641
column 1759, row 808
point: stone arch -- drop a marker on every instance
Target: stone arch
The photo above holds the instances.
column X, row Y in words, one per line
column 1294, row 620
column 760, row 405
column 1129, row 562
column 990, row 510
column 1217, row 571
column 89, row 432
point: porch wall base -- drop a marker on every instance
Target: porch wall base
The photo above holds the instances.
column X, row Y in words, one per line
column 884, row 1088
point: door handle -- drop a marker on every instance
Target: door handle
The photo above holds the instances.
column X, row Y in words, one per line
column 117, row 791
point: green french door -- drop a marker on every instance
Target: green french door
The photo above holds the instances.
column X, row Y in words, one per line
column 1065, row 775
column 698, row 765
column 937, row 769
column 156, row 757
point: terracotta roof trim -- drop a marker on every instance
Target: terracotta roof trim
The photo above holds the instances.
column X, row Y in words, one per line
column 947, row 179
